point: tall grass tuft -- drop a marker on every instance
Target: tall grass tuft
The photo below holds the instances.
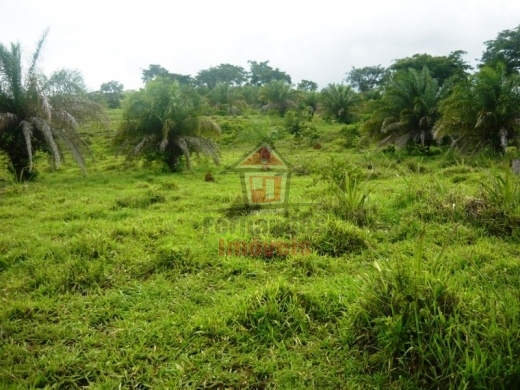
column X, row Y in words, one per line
column 498, row 211
column 412, row 324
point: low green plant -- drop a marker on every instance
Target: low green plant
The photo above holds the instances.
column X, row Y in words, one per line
column 347, row 198
column 412, row 326
column 503, row 191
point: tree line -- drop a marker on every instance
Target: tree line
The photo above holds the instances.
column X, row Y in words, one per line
column 419, row 100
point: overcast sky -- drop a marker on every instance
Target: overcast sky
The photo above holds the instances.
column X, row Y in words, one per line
column 313, row 40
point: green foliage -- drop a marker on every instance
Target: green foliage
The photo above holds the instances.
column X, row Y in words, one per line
column 227, row 99
column 498, row 209
column 346, row 196
column 368, row 78
column 118, row 282
column 352, row 135
column 262, row 73
column 483, row 112
column 308, row 86
column 250, row 94
column 339, row 102
column 163, row 121
column 503, row 191
column 442, row 68
column 338, row 238
column 505, row 48
column 407, row 111
column 155, row 71
column 310, row 101
column 221, row 74
column 40, row 113
column 278, row 96
column 112, row 92
column 424, row 332
column 279, row 312
column 299, row 125
column 260, row 130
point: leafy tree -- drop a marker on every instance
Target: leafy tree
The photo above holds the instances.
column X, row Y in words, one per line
column 483, row 112
column 339, row 102
column 308, row 86
column 277, row 95
column 504, row 48
column 113, row 93
column 441, row 68
column 367, row 78
column 227, row 98
column 40, row 113
column 262, row 73
column 163, row 121
column 223, row 73
column 155, row 71
column 407, row 111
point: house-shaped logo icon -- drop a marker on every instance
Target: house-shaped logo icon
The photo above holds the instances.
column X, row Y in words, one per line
column 265, row 177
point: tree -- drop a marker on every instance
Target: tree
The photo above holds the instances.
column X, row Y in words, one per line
column 407, row 111
column 39, row 113
column 441, row 68
column 310, row 101
column 262, row 73
column 504, row 48
column 223, row 73
column 227, row 98
column 339, row 102
column 112, row 93
column 483, row 112
column 367, row 78
column 164, row 122
column 308, row 86
column 277, row 95
column 155, row 71
column 250, row 93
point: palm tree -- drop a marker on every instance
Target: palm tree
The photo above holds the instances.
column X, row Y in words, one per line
column 339, row 102
column 310, row 101
column 407, row 111
column 278, row 95
column 227, row 98
column 164, row 122
column 39, row 113
column 483, row 112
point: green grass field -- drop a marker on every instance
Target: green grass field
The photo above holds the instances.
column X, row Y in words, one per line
column 113, row 279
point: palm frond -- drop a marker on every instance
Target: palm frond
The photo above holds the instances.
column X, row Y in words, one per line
column 205, row 146
column 183, row 146
column 7, row 119
column 208, row 126
column 43, row 127
column 46, row 108
column 36, row 54
column 74, row 145
column 141, row 145
column 62, row 118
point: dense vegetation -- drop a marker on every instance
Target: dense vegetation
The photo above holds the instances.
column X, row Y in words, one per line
column 113, row 279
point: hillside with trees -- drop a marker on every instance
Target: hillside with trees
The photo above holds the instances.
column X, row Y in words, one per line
column 237, row 228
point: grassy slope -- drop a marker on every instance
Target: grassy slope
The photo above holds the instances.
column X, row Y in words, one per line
column 112, row 278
